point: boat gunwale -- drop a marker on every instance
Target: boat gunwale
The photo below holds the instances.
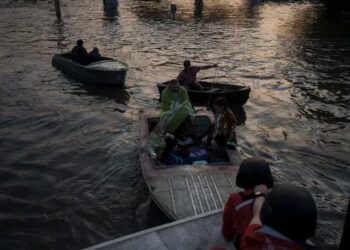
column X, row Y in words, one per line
column 240, row 89
column 143, row 148
column 153, row 229
column 61, row 56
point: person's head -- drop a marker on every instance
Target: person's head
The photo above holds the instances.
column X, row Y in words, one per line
column 95, row 49
column 80, row 42
column 220, row 104
column 187, row 64
column 291, row 211
column 174, row 85
column 252, row 172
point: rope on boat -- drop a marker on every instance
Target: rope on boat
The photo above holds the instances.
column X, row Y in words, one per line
column 212, row 86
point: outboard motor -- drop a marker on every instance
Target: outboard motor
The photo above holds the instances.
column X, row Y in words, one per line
column 291, row 211
column 252, row 172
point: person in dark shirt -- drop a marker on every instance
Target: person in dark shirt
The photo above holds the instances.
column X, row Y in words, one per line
column 94, row 55
column 283, row 219
column 79, row 53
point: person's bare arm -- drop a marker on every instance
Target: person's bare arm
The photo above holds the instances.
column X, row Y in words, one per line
column 258, row 203
column 208, row 66
column 256, row 210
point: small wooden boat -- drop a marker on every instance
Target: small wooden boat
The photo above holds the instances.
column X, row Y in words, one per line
column 182, row 191
column 235, row 94
column 106, row 71
column 198, row 232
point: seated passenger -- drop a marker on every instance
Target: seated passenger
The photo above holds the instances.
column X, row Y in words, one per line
column 79, row 53
column 176, row 109
column 285, row 219
column 94, row 55
column 223, row 128
column 239, row 207
column 188, row 76
column 159, row 146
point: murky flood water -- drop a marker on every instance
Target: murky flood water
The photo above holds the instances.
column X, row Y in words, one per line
column 70, row 174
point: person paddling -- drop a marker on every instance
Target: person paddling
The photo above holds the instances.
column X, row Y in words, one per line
column 188, row 76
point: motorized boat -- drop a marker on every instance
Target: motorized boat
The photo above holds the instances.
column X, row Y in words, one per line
column 106, row 71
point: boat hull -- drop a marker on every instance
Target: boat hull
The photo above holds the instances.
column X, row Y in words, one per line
column 182, row 191
column 199, row 232
column 235, row 94
column 89, row 75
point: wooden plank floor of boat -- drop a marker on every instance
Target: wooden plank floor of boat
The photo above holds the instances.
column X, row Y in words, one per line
column 196, row 192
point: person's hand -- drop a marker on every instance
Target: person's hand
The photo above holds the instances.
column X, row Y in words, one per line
column 170, row 136
column 261, row 188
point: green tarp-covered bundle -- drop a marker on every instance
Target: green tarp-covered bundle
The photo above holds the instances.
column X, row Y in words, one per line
column 175, row 108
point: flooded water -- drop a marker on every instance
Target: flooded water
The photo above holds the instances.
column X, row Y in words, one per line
column 70, row 175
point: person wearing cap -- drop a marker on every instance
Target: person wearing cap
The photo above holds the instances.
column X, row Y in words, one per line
column 282, row 219
column 94, row 55
column 188, row 76
column 176, row 109
column 79, row 53
column 223, row 127
column 239, row 206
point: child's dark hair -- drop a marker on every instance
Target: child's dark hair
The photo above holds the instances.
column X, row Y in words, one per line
column 252, row 172
column 221, row 102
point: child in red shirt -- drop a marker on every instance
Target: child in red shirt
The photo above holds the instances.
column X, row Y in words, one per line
column 239, row 207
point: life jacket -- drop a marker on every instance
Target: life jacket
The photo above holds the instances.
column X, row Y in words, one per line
column 258, row 237
column 238, row 213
